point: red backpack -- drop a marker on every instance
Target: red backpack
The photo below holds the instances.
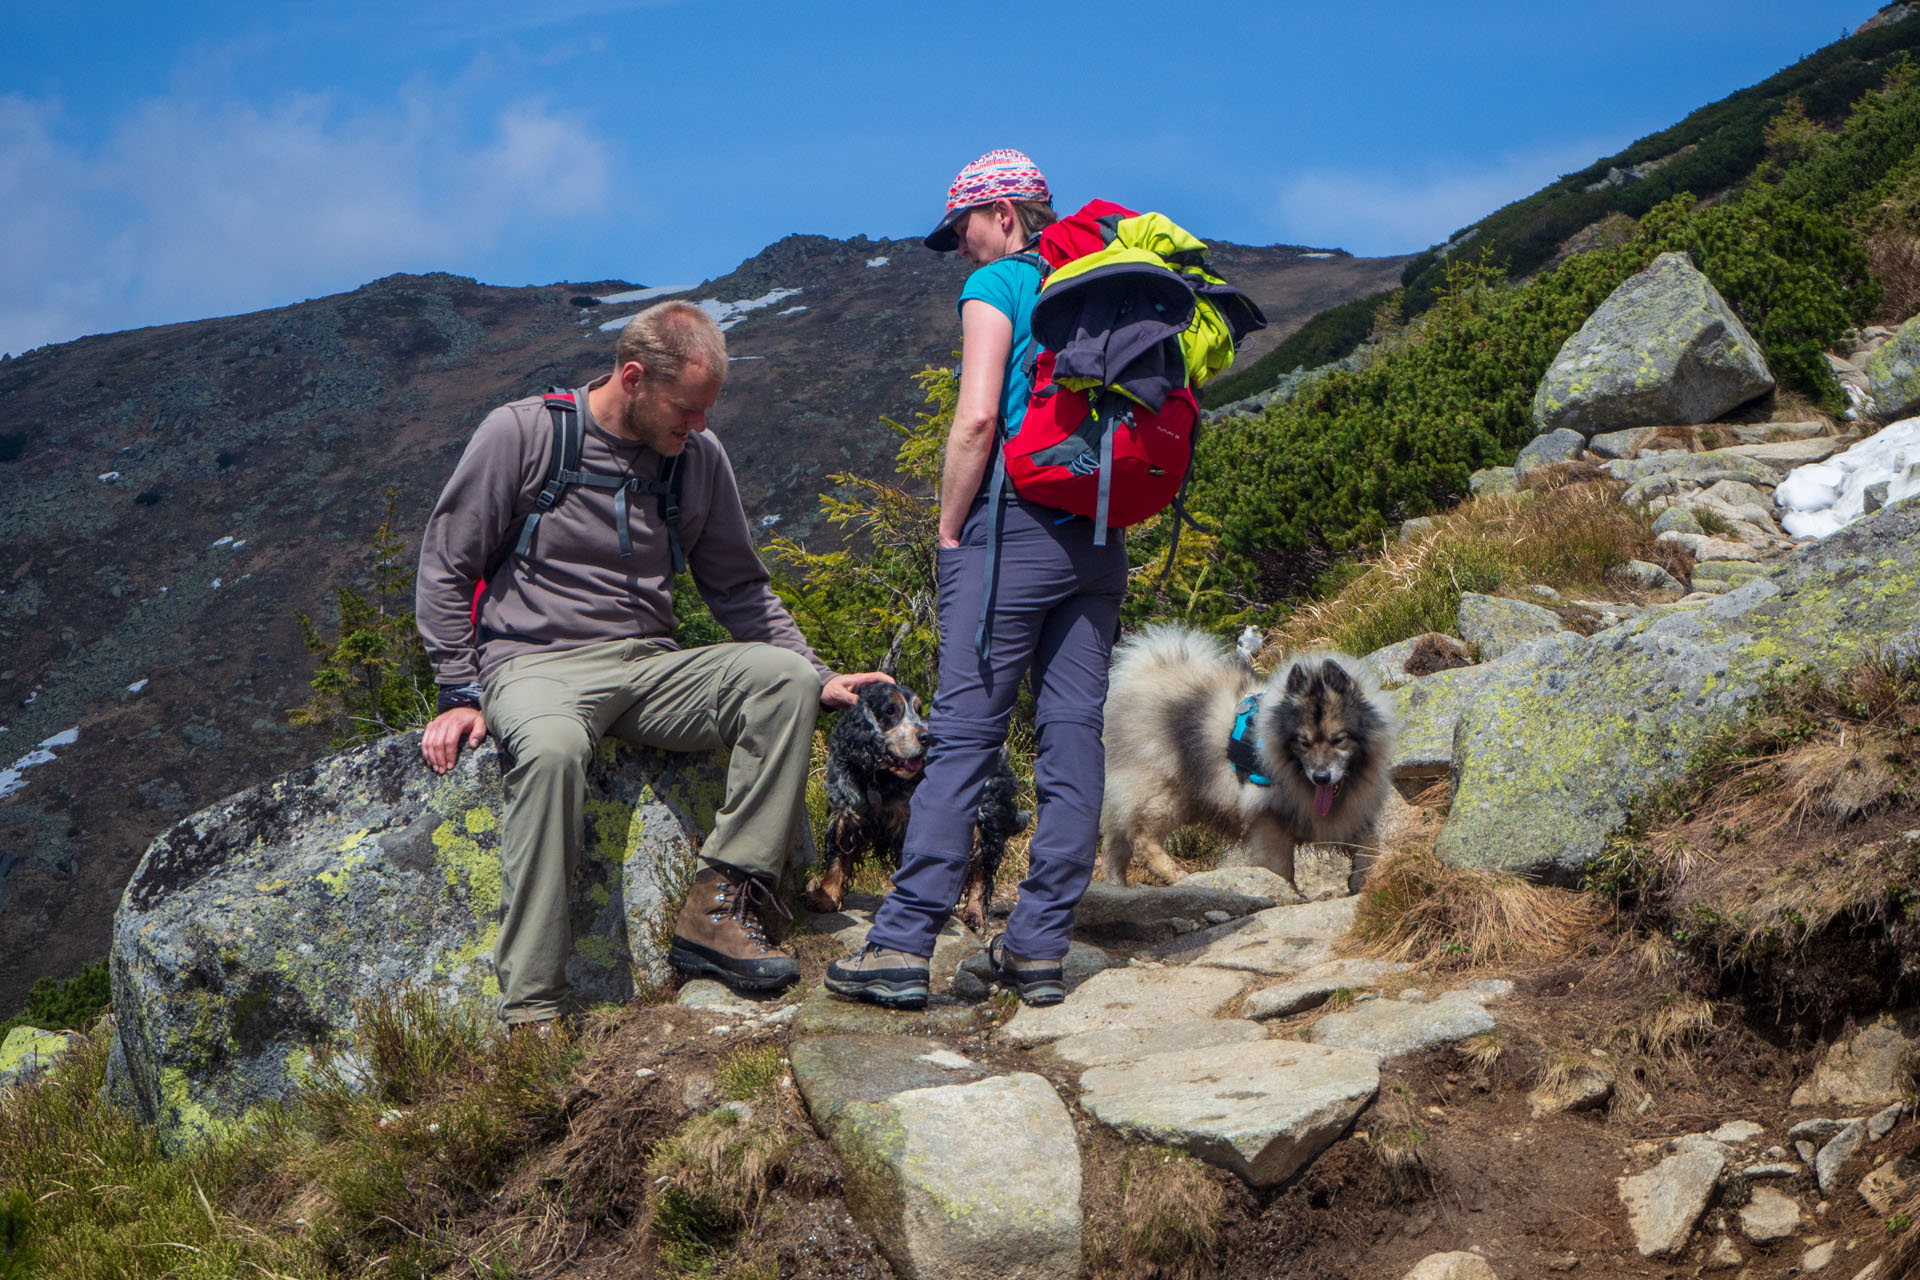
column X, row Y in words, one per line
column 1128, row 323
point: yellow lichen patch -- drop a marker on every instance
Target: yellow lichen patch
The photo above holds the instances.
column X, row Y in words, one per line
column 476, row 954
column 461, row 854
column 271, row 886
column 613, row 831
column 336, row 880
column 597, row 949
column 354, row 841
column 24, row 1043
column 176, row 1098
column 481, row 820
column 600, row 895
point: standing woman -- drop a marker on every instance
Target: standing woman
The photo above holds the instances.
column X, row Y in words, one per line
column 1054, row 611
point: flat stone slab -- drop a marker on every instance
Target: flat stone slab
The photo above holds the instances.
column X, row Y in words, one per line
column 1313, row 987
column 1785, row 455
column 1261, row 1109
column 1839, row 1149
column 1460, row 1265
column 1132, row 998
column 836, row 1071
column 1391, row 1028
column 968, row 1181
column 1770, row 1215
column 1145, row 913
column 1664, row 1203
column 1281, row 941
column 823, row 1013
column 1108, row 1048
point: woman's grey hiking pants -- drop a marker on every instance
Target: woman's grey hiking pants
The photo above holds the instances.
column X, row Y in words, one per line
column 1056, row 613
column 548, row 710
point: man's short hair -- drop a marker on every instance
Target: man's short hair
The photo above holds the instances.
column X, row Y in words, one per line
column 667, row 337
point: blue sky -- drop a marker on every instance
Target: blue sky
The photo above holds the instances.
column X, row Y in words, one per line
column 163, row 162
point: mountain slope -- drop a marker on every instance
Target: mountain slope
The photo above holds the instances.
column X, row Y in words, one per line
column 148, row 616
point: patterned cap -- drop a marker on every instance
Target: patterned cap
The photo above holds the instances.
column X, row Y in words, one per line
column 1004, row 174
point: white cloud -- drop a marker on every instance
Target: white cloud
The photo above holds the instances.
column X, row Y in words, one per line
column 187, row 209
column 1403, row 211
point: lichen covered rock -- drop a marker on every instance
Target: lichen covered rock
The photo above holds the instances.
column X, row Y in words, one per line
column 1560, row 738
column 1664, row 348
column 28, row 1051
column 249, row 929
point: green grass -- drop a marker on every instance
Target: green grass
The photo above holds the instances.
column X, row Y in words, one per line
column 367, row 1172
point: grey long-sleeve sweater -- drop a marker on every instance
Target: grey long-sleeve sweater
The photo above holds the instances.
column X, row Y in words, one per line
column 575, row 588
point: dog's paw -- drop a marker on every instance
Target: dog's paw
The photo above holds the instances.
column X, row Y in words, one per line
column 820, row 902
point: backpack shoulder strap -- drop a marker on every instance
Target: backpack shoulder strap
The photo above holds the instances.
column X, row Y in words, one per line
column 563, row 461
column 670, row 474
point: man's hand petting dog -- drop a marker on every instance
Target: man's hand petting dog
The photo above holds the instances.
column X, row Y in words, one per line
column 844, row 690
column 452, row 729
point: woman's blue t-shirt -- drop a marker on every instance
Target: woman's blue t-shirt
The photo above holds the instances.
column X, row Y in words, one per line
column 1011, row 286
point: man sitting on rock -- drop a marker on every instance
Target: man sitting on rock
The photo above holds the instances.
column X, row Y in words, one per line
column 570, row 638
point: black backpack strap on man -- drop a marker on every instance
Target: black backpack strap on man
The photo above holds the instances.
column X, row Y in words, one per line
column 563, row 470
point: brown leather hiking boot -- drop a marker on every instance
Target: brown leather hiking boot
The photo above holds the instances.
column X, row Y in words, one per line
column 719, row 933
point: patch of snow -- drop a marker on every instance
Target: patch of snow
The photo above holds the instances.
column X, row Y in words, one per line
column 645, row 295
column 239, row 543
column 876, row 262
column 221, row 542
column 790, row 310
column 216, row 584
column 767, row 522
column 109, row 477
column 1318, row 254
column 725, row 314
column 731, row 359
column 30, row 697
column 1824, row 497
column 137, row 685
column 10, row 777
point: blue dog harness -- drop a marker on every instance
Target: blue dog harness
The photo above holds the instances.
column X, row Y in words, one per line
column 1243, row 748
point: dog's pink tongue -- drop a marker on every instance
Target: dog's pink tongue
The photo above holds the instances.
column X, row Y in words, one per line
column 1323, row 798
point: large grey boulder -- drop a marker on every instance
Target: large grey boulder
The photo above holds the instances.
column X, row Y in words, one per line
column 1262, row 1109
column 249, row 929
column 1562, row 737
column 1663, row 348
column 1893, row 374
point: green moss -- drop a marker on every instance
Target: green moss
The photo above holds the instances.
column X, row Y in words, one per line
column 600, row 895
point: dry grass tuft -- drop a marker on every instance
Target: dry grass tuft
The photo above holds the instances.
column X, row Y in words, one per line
column 1398, row 1143
column 1170, row 1209
column 1484, row 1050
column 1420, row 909
column 1567, row 534
column 1781, row 863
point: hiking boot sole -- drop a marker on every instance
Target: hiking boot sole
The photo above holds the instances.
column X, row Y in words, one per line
column 888, row 994
column 696, row 965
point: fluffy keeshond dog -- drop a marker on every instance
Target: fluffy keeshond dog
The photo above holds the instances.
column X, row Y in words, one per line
column 1311, row 766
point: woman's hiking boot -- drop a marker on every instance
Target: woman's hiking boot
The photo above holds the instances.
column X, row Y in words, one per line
column 1039, row 982
column 719, row 933
column 880, row 975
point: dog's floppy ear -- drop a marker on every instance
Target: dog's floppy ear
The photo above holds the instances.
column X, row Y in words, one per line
column 1297, row 678
column 1335, row 677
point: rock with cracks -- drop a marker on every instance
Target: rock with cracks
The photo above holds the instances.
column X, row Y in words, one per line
column 1261, row 1109
column 1392, row 1028
column 249, row 929
column 1663, row 348
column 971, row 1181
